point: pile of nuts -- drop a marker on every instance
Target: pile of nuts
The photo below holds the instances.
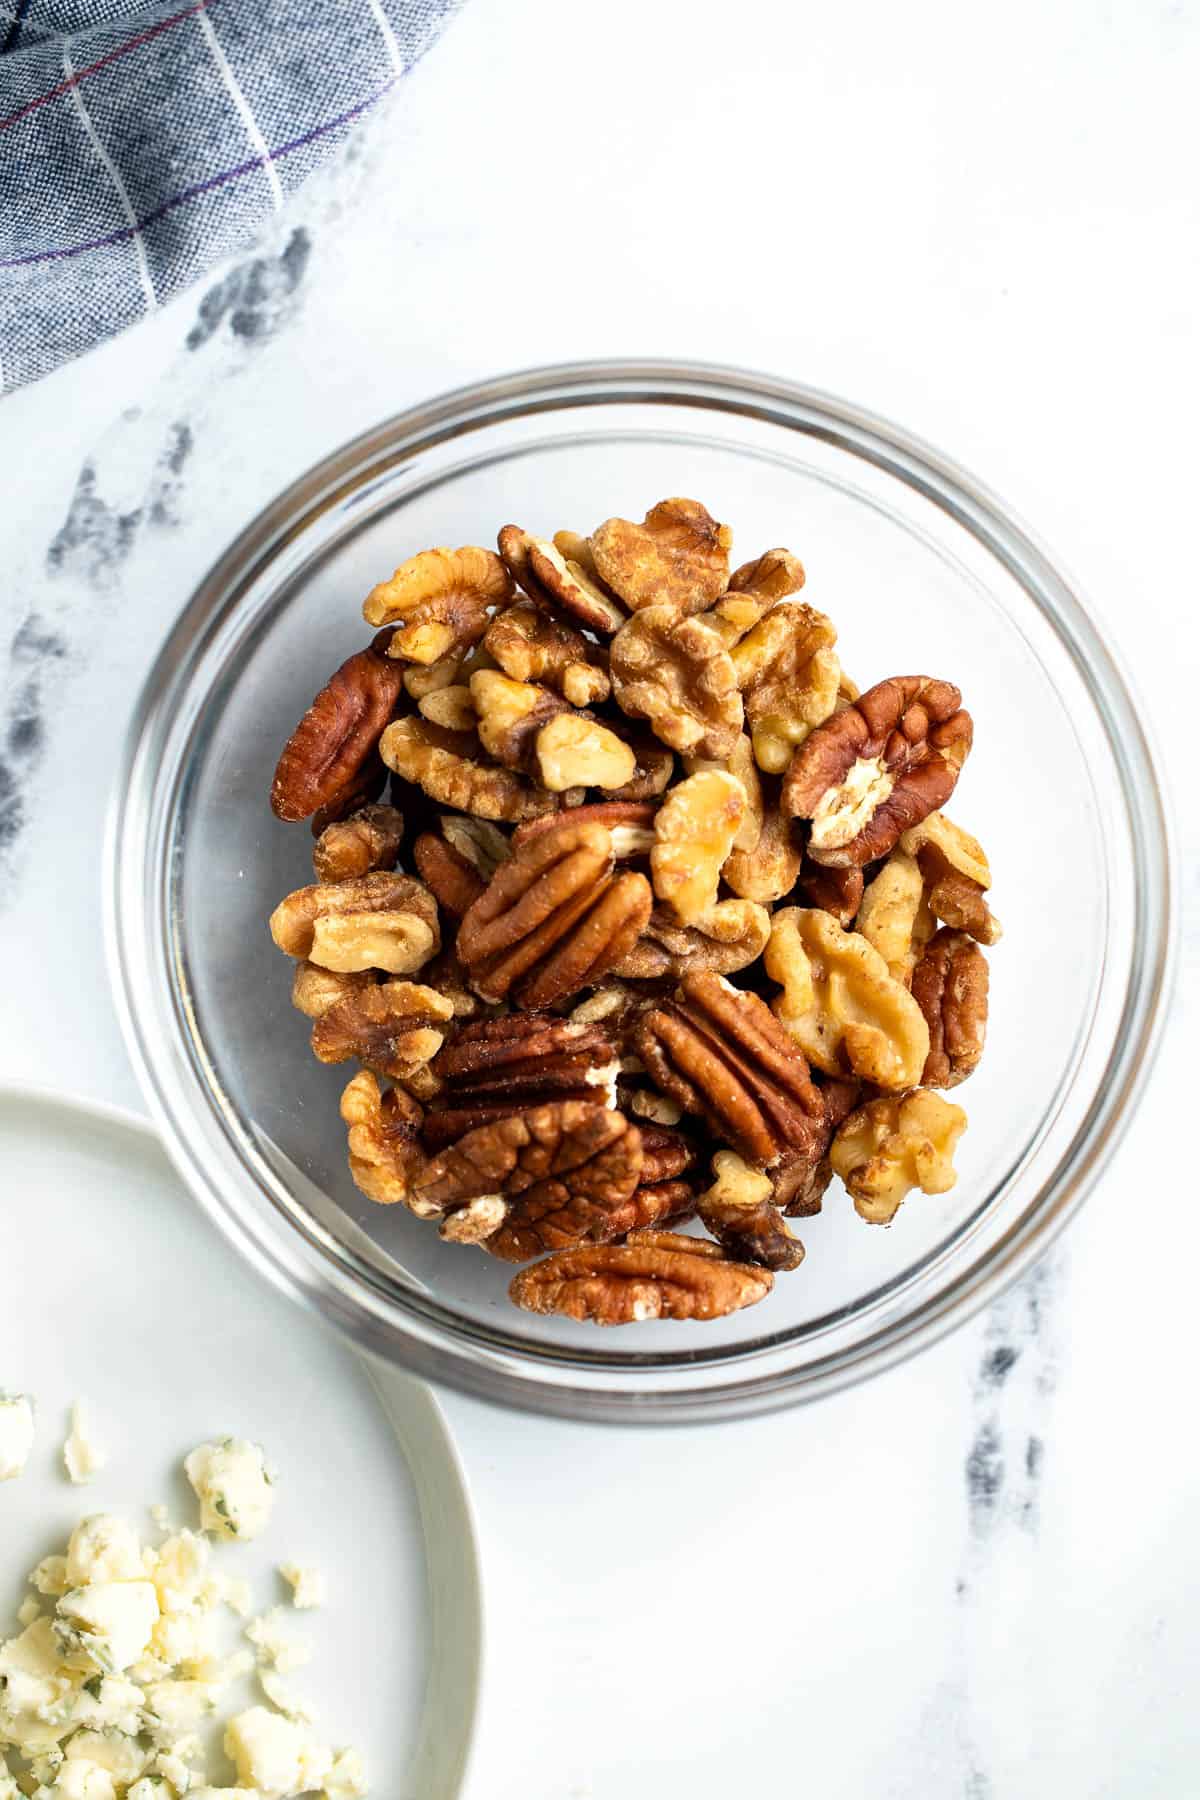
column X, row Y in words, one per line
column 619, row 775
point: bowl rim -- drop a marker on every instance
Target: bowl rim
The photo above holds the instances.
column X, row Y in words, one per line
column 293, row 1266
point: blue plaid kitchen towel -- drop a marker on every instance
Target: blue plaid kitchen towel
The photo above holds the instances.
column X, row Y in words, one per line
column 141, row 144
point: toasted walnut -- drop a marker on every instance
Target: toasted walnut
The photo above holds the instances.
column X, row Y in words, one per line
column 769, row 871
column 695, row 828
column 653, row 769
column 677, row 675
column 315, row 990
column 835, row 891
column 722, row 1053
column 531, row 646
column 957, row 900
column 554, row 918
column 653, row 1275
column 894, row 1144
column 423, row 679
column 455, row 883
column 565, row 1171
column 656, row 1108
column 669, row 950
column 442, row 600
column 841, row 1004
column 959, row 849
column 555, row 582
column 741, row 765
column 510, row 715
column 877, row 768
column 385, row 1157
column 770, row 577
column 630, row 825
column 679, row 557
column 369, row 839
column 950, row 985
column 451, row 707
column 887, row 917
column 394, row 1028
column 337, row 736
column 440, row 763
column 787, row 670
column 572, row 751
column 482, row 844
column 380, row 921
column 739, row 1212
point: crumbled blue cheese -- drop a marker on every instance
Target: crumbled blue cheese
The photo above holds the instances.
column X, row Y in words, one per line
column 275, row 1648
column 16, row 1434
column 347, row 1779
column 307, row 1584
column 106, row 1625
column 233, row 1485
column 281, row 1696
column 81, row 1453
column 274, row 1755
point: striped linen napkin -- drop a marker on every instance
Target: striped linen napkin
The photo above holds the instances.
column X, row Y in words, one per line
column 141, row 144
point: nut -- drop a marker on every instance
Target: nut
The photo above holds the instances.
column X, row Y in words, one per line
column 950, row 985
column 722, row 1053
column 522, row 1061
column 564, row 1169
column 887, row 917
column 510, row 715
column 679, row 557
column 769, row 871
column 840, row 1003
column 392, row 1028
column 653, row 1275
column 738, row 1210
column 694, row 829
column 574, row 751
column 677, row 674
column 475, row 1222
column 957, row 900
column 315, row 990
column 454, row 881
column 877, row 768
column 630, row 825
column 451, row 707
column 531, row 646
column 483, row 845
column 661, row 1203
column 358, row 792
column 423, row 679
column 894, row 1144
column 337, row 735
column 439, row 762
column 554, row 919
column 385, row 1157
column 369, row 839
column 741, row 765
column 655, row 1108
column 442, row 600
column 960, row 850
column 800, row 1179
column 666, row 1154
column 769, row 578
column 652, row 772
column 787, row 670
column 553, row 581
column 835, row 891
column 380, row 921
column 668, row 950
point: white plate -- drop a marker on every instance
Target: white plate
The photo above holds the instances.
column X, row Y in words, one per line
column 116, row 1288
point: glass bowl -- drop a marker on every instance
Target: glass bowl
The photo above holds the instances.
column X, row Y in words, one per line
column 920, row 568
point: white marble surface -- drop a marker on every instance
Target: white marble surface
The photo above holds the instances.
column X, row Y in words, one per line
column 976, row 1578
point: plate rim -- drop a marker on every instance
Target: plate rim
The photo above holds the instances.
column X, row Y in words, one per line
column 456, row 1659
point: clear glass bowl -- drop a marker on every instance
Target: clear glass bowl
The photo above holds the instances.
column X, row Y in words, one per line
column 920, row 568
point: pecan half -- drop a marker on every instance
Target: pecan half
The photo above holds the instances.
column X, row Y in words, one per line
column 877, row 768
column 677, row 675
column 554, row 918
column 519, row 1062
column 678, row 556
column 442, row 600
column 383, row 921
column 653, row 1275
column 950, row 985
column 455, row 882
column 630, row 825
column 666, row 1154
column 394, row 1027
column 564, row 1170
column 661, row 1203
column 554, row 581
column 384, row 1154
column 337, row 735
column 801, row 1177
column 894, row 1144
column 723, row 1054
column 441, row 763
column 739, row 1211
column 358, row 792
column 369, row 839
